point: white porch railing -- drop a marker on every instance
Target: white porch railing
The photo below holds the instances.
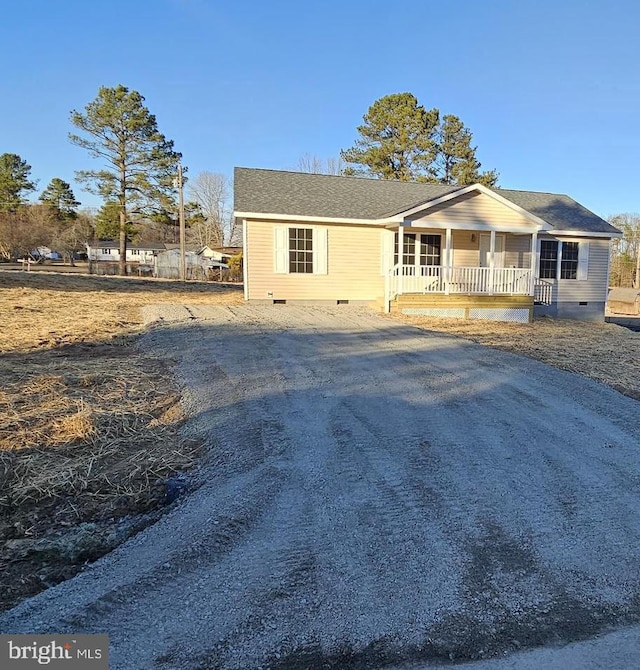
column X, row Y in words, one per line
column 441, row 279
column 543, row 292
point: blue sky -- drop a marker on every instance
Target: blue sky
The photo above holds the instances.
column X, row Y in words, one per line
column 550, row 90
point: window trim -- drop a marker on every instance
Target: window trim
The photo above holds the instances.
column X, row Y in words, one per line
column 417, row 248
column 282, row 249
column 582, row 263
column 300, row 250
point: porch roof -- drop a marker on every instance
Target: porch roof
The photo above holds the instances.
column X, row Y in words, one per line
column 291, row 194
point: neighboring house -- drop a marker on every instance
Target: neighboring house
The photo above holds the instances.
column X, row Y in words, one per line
column 221, row 254
column 102, row 255
column 466, row 252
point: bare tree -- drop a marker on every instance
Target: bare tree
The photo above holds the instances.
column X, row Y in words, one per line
column 210, row 193
column 314, row 165
column 625, row 251
column 73, row 237
column 25, row 229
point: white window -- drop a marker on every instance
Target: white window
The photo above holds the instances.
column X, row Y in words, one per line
column 418, row 249
column 300, row 250
column 563, row 259
column 106, row 251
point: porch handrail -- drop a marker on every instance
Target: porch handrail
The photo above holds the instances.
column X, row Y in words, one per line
column 458, row 279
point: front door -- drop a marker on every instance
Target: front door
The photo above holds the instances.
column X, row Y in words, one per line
column 485, row 245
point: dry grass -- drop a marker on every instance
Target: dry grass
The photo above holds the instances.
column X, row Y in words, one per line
column 48, row 310
column 89, row 426
column 602, row 351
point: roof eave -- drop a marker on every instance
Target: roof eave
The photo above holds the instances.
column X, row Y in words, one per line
column 262, row 216
column 586, row 233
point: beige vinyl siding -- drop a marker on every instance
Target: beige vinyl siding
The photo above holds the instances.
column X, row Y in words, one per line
column 517, row 251
column 592, row 289
column 465, row 252
column 353, row 271
column 475, row 208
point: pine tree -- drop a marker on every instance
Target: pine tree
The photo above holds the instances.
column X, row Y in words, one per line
column 59, row 196
column 107, row 222
column 401, row 140
column 397, row 140
column 139, row 160
column 14, row 181
column 456, row 159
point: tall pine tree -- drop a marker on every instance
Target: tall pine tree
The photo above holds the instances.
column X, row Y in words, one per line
column 138, row 161
column 59, row 196
column 402, row 140
column 397, row 140
column 456, row 161
column 14, row 182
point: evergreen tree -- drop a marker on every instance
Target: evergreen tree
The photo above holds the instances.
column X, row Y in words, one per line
column 59, row 196
column 107, row 222
column 139, row 161
column 14, row 181
column 456, row 159
column 397, row 140
column 401, row 140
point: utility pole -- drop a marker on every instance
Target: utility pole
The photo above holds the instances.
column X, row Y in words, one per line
column 178, row 183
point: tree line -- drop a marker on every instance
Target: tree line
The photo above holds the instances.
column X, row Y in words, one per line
column 135, row 180
column 624, row 270
column 399, row 139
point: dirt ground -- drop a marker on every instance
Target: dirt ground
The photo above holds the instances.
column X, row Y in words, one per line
column 90, row 439
column 370, row 495
column 89, row 425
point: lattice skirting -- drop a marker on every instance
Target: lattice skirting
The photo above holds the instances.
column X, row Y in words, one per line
column 517, row 315
column 443, row 313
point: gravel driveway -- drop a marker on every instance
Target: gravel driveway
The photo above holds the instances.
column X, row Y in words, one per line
column 372, row 495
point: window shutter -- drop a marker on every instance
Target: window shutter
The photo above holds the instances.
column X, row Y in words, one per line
column 280, row 249
column 537, row 253
column 386, row 251
column 320, row 251
column 583, row 260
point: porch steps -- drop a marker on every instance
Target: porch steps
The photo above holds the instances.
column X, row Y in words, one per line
column 518, row 308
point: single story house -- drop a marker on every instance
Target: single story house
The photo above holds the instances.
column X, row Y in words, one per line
column 431, row 249
column 221, row 254
column 109, row 252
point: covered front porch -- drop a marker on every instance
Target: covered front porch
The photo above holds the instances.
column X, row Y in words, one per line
column 472, row 260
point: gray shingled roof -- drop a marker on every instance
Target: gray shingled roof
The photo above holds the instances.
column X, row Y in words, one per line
column 303, row 194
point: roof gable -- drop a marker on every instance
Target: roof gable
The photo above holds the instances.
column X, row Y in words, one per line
column 477, row 207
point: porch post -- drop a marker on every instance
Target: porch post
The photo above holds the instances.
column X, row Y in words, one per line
column 534, row 264
column 400, row 259
column 448, row 261
column 492, row 264
column 387, row 293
